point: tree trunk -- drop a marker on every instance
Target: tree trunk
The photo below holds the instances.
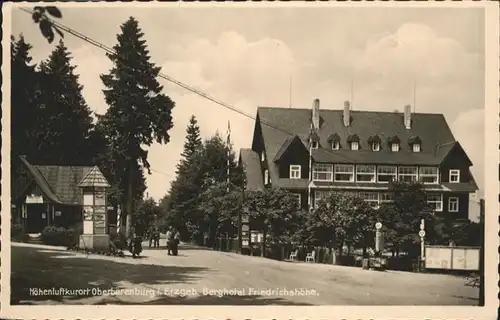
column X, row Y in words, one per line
column 130, row 201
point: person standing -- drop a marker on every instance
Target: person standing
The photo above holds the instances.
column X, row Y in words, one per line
column 177, row 240
column 170, row 238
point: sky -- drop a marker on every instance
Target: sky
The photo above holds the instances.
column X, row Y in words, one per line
column 246, row 57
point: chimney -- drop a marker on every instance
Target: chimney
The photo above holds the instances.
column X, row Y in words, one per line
column 407, row 116
column 347, row 113
column 315, row 114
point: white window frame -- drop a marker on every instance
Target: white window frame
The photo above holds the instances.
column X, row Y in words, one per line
column 337, row 170
column 454, row 173
column 314, row 144
column 354, row 145
column 392, row 174
column 335, row 145
column 385, row 197
column 422, row 174
column 267, row 180
column 453, row 201
column 371, row 197
column 318, row 197
column 295, row 171
column 416, row 147
column 361, row 172
column 439, row 201
column 376, row 146
column 402, row 168
column 299, row 198
column 326, row 169
column 395, row 147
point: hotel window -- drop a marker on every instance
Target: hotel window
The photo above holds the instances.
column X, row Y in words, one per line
column 319, row 196
column 453, row 204
column 335, row 145
column 322, row 172
column 354, row 145
column 435, row 201
column 376, row 146
column 299, row 199
column 385, row 197
column 429, row 175
column 370, row 197
column 266, row 177
column 395, row 147
column 386, row 174
column 344, row 173
column 454, row 176
column 409, row 174
column 416, row 147
column 314, row 144
column 365, row 173
column 295, row 171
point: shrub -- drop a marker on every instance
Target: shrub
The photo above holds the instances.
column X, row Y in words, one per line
column 59, row 236
column 118, row 239
column 18, row 233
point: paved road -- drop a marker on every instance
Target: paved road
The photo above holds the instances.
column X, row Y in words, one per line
column 205, row 277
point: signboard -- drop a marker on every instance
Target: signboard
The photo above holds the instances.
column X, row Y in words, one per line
column 421, row 233
column 100, row 210
column 378, row 225
column 88, row 212
column 34, row 199
column 58, row 213
column 100, row 198
column 100, row 217
column 245, row 218
column 453, row 258
column 245, row 228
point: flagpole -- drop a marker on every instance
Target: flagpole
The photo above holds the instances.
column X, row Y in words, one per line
column 228, row 153
column 309, row 200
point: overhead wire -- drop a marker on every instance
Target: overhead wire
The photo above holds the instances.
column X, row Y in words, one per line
column 183, row 85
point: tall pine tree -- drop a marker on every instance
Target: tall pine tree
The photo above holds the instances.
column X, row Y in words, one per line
column 65, row 119
column 25, row 94
column 192, row 146
column 138, row 114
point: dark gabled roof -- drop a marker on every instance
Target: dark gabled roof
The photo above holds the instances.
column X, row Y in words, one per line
column 286, row 144
column 333, row 137
column 313, row 136
column 59, row 183
column 374, row 139
column 432, row 129
column 353, row 138
column 414, row 140
column 393, row 139
column 250, row 161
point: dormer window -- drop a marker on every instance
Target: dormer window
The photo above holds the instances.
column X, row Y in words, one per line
column 334, row 140
column 394, row 142
column 415, row 143
column 353, row 140
column 313, row 139
column 374, row 141
column 335, row 145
